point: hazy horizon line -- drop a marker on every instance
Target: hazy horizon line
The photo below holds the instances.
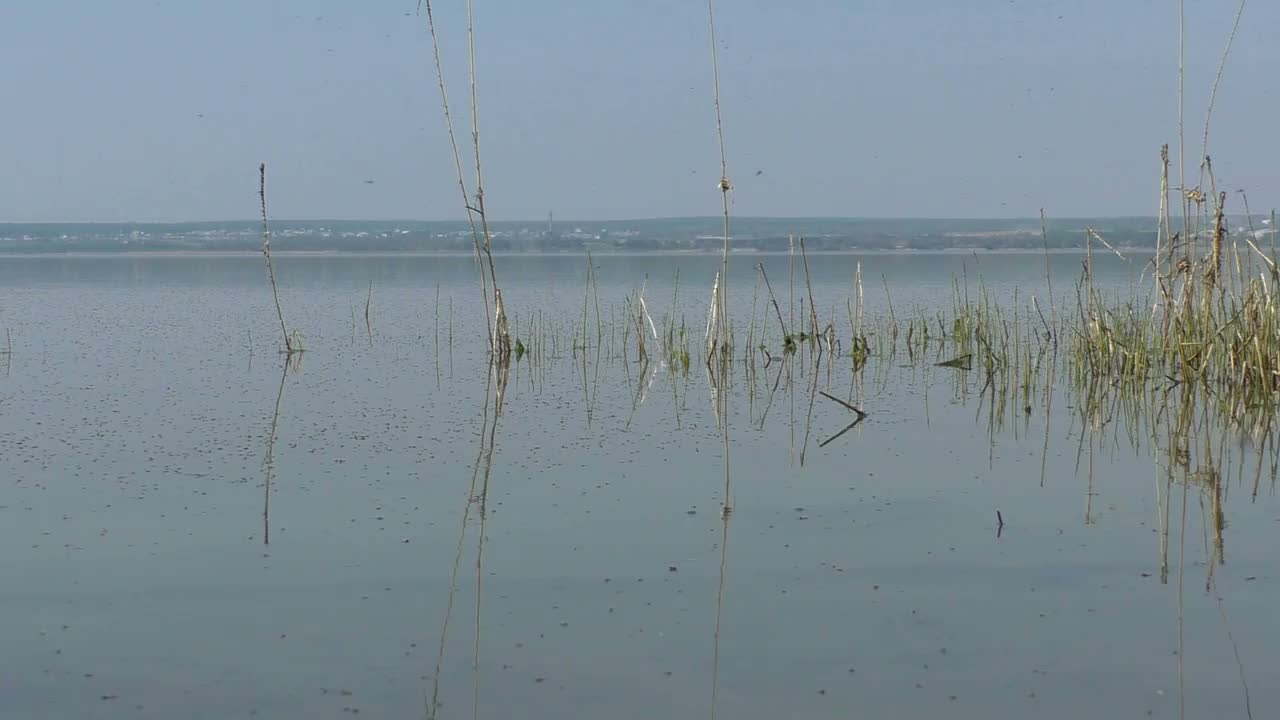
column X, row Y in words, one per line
column 658, row 218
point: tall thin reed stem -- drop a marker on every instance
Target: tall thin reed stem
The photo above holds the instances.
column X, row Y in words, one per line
column 457, row 162
column 266, row 252
column 722, row 297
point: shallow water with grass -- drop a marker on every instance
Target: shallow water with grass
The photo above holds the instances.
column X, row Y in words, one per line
column 197, row 526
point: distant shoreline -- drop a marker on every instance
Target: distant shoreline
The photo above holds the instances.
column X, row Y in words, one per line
column 240, row 254
column 672, row 236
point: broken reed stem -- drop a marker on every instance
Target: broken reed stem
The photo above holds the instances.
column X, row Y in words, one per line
column 774, row 300
column 813, row 312
column 266, row 252
column 1094, row 234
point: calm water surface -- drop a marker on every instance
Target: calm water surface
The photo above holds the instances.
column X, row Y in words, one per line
column 135, row 411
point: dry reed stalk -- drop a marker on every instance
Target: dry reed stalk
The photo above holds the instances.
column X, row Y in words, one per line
column 713, row 315
column 791, row 274
column 813, row 312
column 1249, row 239
column 786, row 336
column 893, row 321
column 499, row 332
column 1214, row 271
column 595, row 286
column 1162, row 274
column 291, row 344
column 722, row 297
column 1217, row 78
column 1096, row 236
column 644, row 310
column 1048, row 277
column 857, row 281
column 724, row 352
column 1274, row 230
column 1182, row 152
column 457, row 161
column 500, row 340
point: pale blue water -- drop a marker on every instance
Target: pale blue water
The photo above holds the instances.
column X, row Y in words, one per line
column 133, row 430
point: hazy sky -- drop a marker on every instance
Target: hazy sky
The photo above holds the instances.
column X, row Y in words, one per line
column 162, row 110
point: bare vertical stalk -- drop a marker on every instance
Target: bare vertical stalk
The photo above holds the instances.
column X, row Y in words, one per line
column 500, row 337
column 1182, row 151
column 724, row 351
column 1048, row 277
column 785, row 334
column 1219, row 233
column 722, row 298
column 266, row 252
column 1161, row 272
column 457, row 162
column 791, row 273
column 857, row 281
column 813, row 310
column 1222, row 64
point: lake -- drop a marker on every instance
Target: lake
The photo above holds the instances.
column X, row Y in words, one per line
column 194, row 529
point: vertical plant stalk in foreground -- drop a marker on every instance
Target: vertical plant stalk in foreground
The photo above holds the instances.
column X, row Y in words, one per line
column 722, row 296
column 1217, row 79
column 291, row 344
column 500, row 337
column 721, row 350
column 495, row 323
